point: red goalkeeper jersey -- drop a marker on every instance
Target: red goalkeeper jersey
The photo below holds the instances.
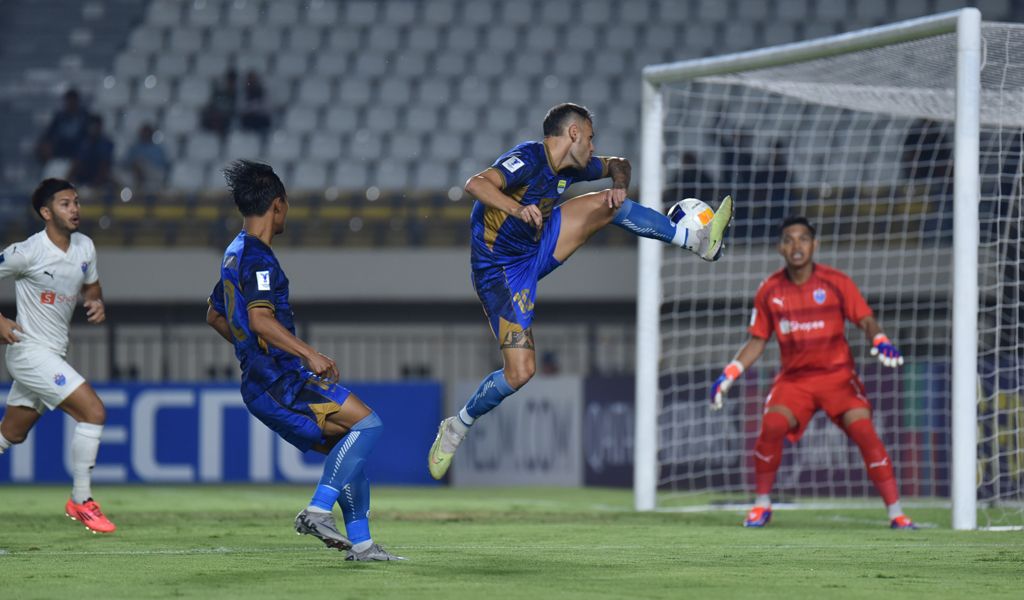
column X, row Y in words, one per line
column 808, row 319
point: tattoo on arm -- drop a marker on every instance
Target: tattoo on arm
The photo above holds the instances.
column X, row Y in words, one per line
column 518, row 339
column 620, row 171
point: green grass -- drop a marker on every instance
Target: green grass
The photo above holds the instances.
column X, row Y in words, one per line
column 237, row 542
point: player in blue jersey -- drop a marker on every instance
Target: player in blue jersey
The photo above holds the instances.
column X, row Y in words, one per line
column 286, row 383
column 520, row 236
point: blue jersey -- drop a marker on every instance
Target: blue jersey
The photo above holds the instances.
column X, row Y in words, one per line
column 498, row 238
column 250, row 276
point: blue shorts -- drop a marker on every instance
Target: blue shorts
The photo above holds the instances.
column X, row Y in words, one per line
column 508, row 291
column 296, row 407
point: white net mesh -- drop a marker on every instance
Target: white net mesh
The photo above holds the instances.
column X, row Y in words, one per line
column 861, row 144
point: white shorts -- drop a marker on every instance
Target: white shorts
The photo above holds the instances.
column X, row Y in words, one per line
column 42, row 379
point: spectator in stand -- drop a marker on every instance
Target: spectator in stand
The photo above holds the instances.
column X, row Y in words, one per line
column 254, row 114
column 220, row 109
column 93, row 161
column 65, row 133
column 146, row 161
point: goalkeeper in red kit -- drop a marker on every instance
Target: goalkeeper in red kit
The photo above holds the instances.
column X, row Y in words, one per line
column 806, row 305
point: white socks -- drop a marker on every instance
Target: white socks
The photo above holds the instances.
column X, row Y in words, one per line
column 4, row 443
column 763, row 501
column 894, row 509
column 85, row 443
column 362, row 546
column 461, row 424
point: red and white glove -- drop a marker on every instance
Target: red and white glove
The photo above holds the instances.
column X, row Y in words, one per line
column 887, row 354
column 730, row 373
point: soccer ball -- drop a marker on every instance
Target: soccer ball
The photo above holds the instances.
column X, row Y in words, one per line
column 691, row 213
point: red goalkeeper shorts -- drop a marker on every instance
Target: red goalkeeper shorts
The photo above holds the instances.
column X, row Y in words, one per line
column 835, row 393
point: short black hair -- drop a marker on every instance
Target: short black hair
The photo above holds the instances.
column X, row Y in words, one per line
column 45, row 192
column 797, row 220
column 559, row 116
column 254, row 185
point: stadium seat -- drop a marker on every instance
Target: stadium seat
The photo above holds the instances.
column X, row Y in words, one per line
column 431, row 174
column 382, row 119
column 361, row 12
column 779, row 33
column 675, row 12
column 225, row 39
column 479, row 13
column 434, row 92
column 421, row 119
column 187, row 176
column 114, row 96
column 391, row 175
column 131, row 118
column 153, row 91
column 409, row 64
column 284, row 146
column 502, row 118
column 832, row 11
column 407, row 147
column 371, row 65
column 131, row 65
column 166, row 13
column 330, row 64
column 305, row 39
column 186, row 40
column 384, row 39
column 309, row 175
column 452, row 63
column 354, row 91
column 365, row 145
column 908, row 9
column 512, row 91
column 252, row 61
column 460, row 118
column 439, row 12
column 423, row 39
column 446, row 145
column 465, row 39
column 244, row 144
column 170, row 65
column 341, row 119
column 394, row 92
column 146, row 39
column 345, row 37
column 282, row 13
column 243, row 13
column 211, row 65
column 519, row 13
column 487, row 145
column 180, row 119
column 474, row 90
column 265, row 39
column 401, row 12
column 192, row 92
column 558, row 13
column 351, row 175
column 581, row 40
column 322, row 13
column 793, row 11
column 203, row 14
column 325, row 147
column 593, row 92
column 314, row 92
column 634, row 13
column 554, row 90
column 202, row 146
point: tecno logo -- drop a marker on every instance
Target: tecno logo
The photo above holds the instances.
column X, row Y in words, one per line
column 50, row 297
column 786, row 327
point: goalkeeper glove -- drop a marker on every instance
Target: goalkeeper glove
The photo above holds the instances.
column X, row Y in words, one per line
column 887, row 354
column 721, row 385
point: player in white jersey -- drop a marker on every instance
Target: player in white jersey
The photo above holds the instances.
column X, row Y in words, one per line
column 52, row 270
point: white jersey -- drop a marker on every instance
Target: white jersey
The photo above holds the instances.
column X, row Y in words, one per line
column 48, row 282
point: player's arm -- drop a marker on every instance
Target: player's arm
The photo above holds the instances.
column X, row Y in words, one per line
column 263, row 323
column 92, row 296
column 748, row 355
column 487, row 186
column 12, row 263
column 620, row 171
column 219, row 323
column 881, row 347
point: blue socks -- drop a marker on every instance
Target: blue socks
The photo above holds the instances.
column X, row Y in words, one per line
column 355, row 508
column 345, row 461
column 493, row 389
column 644, row 221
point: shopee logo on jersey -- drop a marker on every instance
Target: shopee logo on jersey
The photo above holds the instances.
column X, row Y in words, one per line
column 51, row 297
column 786, row 326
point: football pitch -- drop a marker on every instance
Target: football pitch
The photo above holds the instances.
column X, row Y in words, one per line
column 237, row 542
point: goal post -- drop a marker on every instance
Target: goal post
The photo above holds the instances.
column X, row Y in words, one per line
column 891, row 140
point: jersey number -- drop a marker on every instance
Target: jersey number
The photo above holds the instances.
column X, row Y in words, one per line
column 230, row 301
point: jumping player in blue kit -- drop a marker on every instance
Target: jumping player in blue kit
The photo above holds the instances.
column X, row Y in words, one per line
column 286, row 383
column 519, row 236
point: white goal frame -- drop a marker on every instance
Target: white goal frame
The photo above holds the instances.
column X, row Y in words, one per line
column 966, row 23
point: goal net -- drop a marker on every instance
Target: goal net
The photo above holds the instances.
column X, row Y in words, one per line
column 859, row 133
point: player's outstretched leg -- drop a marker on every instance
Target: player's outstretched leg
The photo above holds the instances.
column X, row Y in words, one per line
column 492, row 390
column 343, row 465
column 706, row 242
column 880, row 470
column 767, row 458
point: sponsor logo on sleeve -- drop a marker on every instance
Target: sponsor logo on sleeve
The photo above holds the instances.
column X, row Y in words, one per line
column 513, row 164
column 561, row 185
column 59, row 379
column 753, row 317
column 85, row 267
column 263, row 280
